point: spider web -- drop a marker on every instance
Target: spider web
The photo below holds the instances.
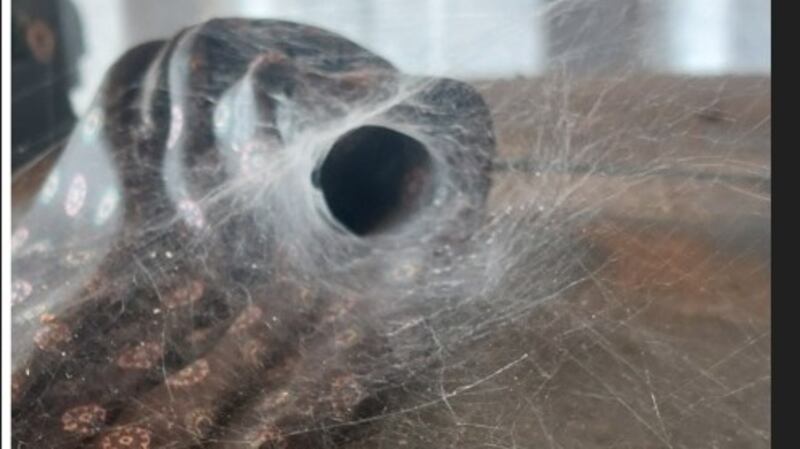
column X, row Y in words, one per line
column 615, row 295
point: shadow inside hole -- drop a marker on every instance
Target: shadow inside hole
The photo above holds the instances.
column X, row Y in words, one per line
column 375, row 178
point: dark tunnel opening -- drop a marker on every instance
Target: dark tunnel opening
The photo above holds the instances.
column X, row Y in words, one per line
column 374, row 178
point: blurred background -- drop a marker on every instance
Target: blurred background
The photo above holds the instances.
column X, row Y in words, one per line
column 472, row 39
column 467, row 39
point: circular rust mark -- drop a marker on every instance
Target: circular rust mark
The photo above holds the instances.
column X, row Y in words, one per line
column 191, row 375
column 347, row 338
column 78, row 258
column 84, row 419
column 346, row 393
column 184, row 295
column 198, row 421
column 20, row 291
column 249, row 316
column 132, row 437
column 276, row 400
column 338, row 310
column 41, row 40
column 253, row 351
column 52, row 335
column 17, row 382
column 198, row 336
column 268, row 437
column 142, row 356
column 197, row 62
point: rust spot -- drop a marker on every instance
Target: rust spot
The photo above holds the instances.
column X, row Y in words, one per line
column 191, row 375
column 84, row 419
column 143, row 356
column 132, row 437
column 41, row 41
column 52, row 336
